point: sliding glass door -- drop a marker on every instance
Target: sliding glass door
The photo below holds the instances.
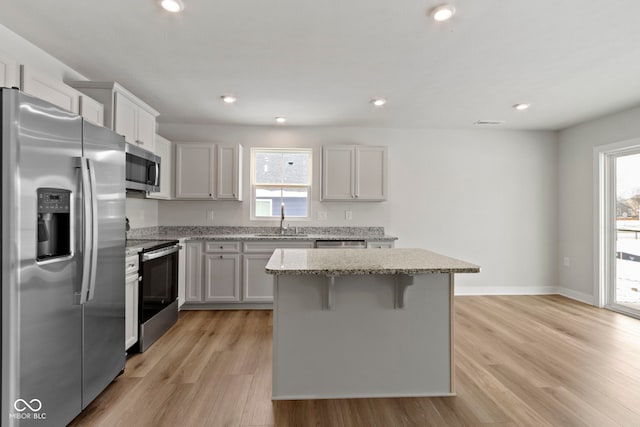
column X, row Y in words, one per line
column 624, row 292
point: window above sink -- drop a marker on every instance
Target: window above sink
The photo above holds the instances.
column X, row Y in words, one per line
column 281, row 182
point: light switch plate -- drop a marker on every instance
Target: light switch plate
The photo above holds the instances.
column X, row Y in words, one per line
column 322, row 215
column 348, row 215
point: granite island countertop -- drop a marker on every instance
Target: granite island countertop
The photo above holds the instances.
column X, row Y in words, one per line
column 331, row 262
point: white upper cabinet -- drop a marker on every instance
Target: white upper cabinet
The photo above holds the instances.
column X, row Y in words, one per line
column 125, row 113
column 195, row 171
column 338, row 172
column 146, row 129
column 229, row 172
column 50, row 89
column 208, row 171
column 371, row 173
column 91, row 110
column 164, row 149
column 8, row 71
column 354, row 172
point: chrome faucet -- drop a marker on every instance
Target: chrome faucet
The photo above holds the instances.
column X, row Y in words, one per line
column 282, row 227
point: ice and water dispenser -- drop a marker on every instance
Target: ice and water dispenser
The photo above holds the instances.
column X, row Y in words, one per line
column 54, row 223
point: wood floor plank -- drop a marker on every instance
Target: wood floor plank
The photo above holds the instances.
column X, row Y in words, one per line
column 520, row 361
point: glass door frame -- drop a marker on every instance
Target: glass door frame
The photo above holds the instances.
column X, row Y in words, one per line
column 605, row 196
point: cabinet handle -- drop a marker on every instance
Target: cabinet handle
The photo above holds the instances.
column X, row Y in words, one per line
column 221, row 247
column 138, row 141
column 140, row 279
column 220, row 256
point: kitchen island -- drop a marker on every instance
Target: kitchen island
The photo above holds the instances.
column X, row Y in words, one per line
column 363, row 323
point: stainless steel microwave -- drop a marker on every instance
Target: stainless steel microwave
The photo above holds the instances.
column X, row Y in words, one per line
column 143, row 169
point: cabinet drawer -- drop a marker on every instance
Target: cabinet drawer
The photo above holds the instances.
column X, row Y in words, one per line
column 131, row 265
column 379, row 245
column 222, row 246
column 270, row 245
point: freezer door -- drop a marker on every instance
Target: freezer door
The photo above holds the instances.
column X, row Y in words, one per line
column 103, row 326
column 41, row 323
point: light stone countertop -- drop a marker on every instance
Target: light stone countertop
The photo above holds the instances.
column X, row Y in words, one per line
column 360, row 262
column 266, row 237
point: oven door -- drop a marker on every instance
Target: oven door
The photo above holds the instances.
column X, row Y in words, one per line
column 159, row 281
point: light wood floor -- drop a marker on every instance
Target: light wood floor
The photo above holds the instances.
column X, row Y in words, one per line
column 520, row 360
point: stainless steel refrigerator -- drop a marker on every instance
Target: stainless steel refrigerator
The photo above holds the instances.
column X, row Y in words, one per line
column 63, row 237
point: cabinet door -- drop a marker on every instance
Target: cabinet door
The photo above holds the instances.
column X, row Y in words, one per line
column 222, row 278
column 195, row 171
column 379, row 245
column 257, row 285
column 182, row 274
column 163, row 150
column 229, row 173
column 8, row 71
column 146, row 130
column 126, row 113
column 91, row 110
column 371, row 173
column 51, row 90
column 131, row 310
column 193, row 272
column 338, row 172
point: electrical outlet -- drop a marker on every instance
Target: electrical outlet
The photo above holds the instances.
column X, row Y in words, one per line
column 348, row 215
column 210, row 215
column 567, row 261
column 322, row 215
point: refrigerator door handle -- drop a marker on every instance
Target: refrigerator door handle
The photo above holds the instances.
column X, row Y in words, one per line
column 94, row 229
column 86, row 225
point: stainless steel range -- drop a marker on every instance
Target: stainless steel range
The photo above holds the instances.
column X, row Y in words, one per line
column 158, row 298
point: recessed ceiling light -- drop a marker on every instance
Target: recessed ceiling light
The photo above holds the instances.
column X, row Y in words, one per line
column 443, row 12
column 280, row 119
column 172, row 6
column 521, row 107
column 228, row 99
column 379, row 102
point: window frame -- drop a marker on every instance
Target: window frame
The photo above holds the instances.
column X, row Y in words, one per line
column 254, row 186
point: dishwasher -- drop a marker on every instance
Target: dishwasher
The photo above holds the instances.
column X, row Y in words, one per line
column 341, row 244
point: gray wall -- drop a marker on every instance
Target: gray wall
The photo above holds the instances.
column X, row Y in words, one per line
column 488, row 197
column 576, row 196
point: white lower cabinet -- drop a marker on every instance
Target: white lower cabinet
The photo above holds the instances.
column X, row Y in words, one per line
column 182, row 273
column 193, row 272
column 257, row 286
column 215, row 269
column 131, row 301
column 383, row 244
column 222, row 277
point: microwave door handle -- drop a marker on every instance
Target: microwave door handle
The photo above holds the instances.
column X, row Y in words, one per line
column 86, row 224
column 157, row 180
column 94, row 229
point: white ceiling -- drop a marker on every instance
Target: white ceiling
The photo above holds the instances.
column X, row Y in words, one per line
column 320, row 62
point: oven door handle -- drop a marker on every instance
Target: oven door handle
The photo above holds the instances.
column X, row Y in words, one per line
column 148, row 256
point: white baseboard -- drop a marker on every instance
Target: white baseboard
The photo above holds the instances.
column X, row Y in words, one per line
column 576, row 295
column 524, row 290
column 504, row 290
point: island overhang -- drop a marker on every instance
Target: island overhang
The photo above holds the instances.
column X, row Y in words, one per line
column 337, row 262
